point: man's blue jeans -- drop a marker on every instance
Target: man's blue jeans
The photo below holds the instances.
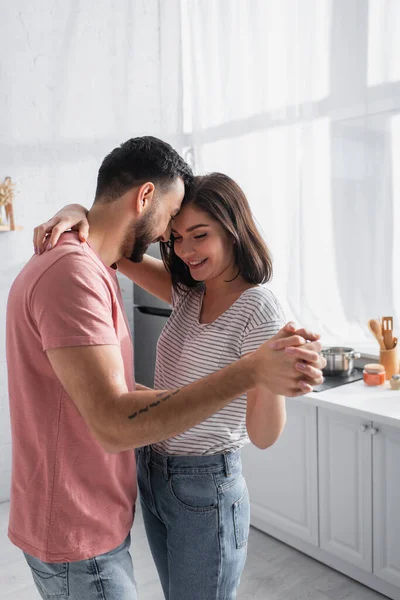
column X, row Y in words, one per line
column 108, row 576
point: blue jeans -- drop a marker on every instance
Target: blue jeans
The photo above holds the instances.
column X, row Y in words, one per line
column 197, row 517
column 108, row 576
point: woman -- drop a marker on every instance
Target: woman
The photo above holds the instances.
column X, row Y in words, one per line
column 193, row 495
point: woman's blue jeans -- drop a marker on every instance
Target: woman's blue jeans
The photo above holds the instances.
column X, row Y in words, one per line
column 197, row 517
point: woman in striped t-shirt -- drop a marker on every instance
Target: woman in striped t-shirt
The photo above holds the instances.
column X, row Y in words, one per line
column 194, row 497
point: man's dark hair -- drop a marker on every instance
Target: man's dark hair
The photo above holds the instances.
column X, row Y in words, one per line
column 136, row 161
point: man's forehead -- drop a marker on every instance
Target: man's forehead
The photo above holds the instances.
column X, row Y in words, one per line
column 176, row 201
column 174, row 196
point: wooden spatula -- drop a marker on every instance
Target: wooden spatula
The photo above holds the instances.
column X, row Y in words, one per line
column 387, row 332
column 376, row 329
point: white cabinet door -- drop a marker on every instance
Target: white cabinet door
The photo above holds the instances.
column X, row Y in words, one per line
column 282, row 480
column 386, row 493
column 345, row 487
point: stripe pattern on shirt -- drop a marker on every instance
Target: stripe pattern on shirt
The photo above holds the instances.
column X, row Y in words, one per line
column 188, row 350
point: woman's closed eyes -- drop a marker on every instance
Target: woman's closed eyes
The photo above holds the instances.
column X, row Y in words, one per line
column 178, row 238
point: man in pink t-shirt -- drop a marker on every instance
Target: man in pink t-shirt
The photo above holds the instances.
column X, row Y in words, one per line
column 72, row 501
column 76, row 413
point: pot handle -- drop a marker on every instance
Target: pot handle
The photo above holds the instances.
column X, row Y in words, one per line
column 356, row 355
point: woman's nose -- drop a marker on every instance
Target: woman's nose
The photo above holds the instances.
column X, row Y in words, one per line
column 186, row 248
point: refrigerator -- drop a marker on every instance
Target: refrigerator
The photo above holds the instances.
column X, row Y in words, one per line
column 149, row 317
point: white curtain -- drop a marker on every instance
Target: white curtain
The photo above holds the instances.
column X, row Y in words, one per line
column 299, row 101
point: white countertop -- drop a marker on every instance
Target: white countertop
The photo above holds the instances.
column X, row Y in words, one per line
column 380, row 403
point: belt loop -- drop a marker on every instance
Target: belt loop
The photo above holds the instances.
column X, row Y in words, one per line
column 165, row 467
column 227, row 463
column 147, row 451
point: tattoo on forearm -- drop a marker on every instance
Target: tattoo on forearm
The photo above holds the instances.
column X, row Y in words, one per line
column 164, row 396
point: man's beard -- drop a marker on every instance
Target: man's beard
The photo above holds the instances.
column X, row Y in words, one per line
column 139, row 239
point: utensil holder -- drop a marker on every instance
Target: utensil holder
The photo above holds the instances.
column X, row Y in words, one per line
column 390, row 360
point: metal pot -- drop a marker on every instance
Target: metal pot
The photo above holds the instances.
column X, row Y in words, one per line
column 339, row 360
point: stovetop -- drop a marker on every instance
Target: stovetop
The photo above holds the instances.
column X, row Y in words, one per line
column 332, row 381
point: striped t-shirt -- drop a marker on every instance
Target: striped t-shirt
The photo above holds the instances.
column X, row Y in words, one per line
column 188, row 350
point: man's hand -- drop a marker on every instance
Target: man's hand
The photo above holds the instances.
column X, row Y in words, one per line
column 287, row 364
column 306, row 363
column 73, row 216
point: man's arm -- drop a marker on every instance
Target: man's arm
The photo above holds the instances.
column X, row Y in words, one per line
column 141, row 388
column 93, row 376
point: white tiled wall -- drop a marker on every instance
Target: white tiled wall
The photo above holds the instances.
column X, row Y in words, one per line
column 73, row 85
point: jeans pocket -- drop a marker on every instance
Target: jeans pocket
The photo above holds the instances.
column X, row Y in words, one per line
column 197, row 493
column 51, row 579
column 241, row 520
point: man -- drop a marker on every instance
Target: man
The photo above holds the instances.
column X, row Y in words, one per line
column 76, row 415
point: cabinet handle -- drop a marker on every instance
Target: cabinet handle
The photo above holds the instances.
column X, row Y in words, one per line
column 363, row 428
column 373, row 431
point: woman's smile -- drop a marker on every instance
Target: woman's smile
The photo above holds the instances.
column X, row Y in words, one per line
column 195, row 264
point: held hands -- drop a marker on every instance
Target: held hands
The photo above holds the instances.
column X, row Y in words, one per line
column 73, row 216
column 287, row 364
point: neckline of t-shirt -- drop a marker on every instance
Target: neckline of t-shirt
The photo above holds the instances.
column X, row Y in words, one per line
column 200, row 305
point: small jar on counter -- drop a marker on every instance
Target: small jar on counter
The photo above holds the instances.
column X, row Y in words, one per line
column 395, row 382
column 374, row 374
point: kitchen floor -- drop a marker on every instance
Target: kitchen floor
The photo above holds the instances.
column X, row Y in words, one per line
column 273, row 571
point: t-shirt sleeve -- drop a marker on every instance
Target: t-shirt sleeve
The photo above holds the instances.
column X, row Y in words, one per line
column 266, row 320
column 258, row 335
column 178, row 295
column 73, row 304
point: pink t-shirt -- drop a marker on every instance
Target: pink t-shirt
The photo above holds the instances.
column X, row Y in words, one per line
column 70, row 500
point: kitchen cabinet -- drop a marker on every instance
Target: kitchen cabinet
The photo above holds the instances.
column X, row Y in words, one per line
column 282, row 480
column 359, row 493
column 345, row 491
column 386, row 503
column 330, row 487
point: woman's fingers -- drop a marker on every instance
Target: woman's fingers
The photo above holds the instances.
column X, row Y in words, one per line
column 314, row 374
column 64, row 224
column 316, row 346
column 308, row 335
column 83, row 230
column 56, row 227
column 309, row 356
column 40, row 233
column 57, row 230
column 308, row 352
column 285, row 342
column 73, row 216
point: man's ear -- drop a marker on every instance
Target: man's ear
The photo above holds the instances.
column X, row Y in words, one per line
column 144, row 197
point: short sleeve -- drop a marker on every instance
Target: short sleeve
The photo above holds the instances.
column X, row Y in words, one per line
column 73, row 304
column 178, row 295
column 175, row 296
column 258, row 335
column 267, row 318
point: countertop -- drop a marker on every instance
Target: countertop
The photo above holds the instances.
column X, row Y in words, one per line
column 380, row 404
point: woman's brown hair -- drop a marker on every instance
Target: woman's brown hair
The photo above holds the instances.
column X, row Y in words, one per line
column 221, row 198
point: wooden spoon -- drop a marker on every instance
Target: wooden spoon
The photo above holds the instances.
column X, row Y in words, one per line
column 375, row 328
column 387, row 332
